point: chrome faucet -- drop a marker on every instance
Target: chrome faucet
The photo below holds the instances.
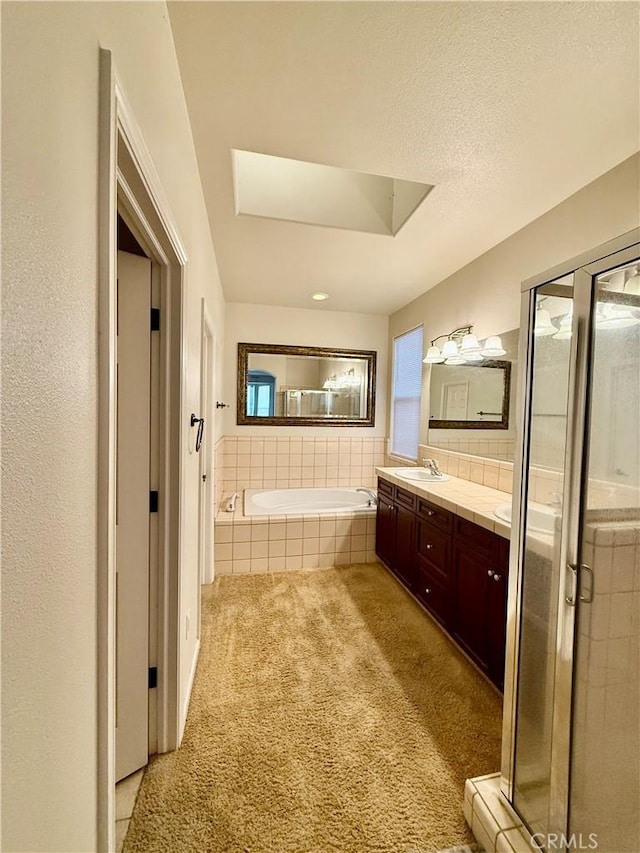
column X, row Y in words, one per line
column 432, row 465
column 373, row 500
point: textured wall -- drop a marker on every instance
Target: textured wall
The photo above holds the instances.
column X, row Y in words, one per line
column 486, row 292
column 50, row 166
column 270, row 324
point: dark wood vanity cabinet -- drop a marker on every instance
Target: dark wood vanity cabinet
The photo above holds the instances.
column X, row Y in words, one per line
column 395, row 532
column 480, row 569
column 455, row 568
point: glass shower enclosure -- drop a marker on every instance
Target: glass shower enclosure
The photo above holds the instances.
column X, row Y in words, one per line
column 571, row 745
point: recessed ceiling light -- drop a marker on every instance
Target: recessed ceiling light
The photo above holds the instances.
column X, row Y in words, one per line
column 319, row 297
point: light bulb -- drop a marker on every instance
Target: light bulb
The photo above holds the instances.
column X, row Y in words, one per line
column 450, row 349
column 433, row 356
column 493, row 347
column 543, row 325
column 632, row 285
column 612, row 317
column 470, row 345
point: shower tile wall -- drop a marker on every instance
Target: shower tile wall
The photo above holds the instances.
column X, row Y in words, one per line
column 252, row 462
column 607, row 706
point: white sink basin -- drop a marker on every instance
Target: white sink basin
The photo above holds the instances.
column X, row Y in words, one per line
column 539, row 519
column 421, row 475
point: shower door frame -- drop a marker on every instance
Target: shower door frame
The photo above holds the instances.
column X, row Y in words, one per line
column 584, row 268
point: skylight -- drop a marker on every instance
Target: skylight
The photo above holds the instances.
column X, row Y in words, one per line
column 280, row 188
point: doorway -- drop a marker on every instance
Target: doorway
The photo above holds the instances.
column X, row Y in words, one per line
column 133, row 509
column 129, row 185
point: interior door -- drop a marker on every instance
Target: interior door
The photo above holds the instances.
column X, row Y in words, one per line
column 132, row 512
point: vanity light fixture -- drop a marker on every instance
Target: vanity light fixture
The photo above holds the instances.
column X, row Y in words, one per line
column 462, row 346
column 319, row 296
column 347, row 379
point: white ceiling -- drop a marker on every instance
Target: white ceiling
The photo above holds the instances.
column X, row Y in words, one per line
column 507, row 107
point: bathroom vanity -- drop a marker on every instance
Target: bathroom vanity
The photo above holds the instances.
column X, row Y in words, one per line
column 456, row 568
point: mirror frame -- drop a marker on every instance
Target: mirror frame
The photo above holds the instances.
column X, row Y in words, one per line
column 245, row 350
column 503, row 423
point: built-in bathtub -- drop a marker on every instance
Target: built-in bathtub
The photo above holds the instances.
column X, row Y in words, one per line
column 305, row 501
column 274, row 530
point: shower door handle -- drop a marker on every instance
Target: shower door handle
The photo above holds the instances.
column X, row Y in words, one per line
column 572, row 585
column 587, row 596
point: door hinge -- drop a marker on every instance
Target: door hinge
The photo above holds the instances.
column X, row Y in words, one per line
column 155, row 319
column 153, row 501
column 153, row 676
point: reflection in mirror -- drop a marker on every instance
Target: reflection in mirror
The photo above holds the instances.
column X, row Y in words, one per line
column 487, row 435
column 469, row 396
column 281, row 385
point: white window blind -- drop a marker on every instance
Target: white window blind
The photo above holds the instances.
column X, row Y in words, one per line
column 407, row 387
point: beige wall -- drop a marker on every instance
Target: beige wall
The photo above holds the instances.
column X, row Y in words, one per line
column 270, row 324
column 50, row 178
column 487, row 291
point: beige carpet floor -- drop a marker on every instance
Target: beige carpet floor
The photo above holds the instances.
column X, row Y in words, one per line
column 328, row 714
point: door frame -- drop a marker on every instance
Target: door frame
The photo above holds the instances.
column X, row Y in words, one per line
column 129, row 181
column 207, row 375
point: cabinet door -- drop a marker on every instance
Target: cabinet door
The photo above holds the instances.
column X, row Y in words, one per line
column 386, row 531
column 405, row 546
column 497, row 619
column 431, row 591
column 472, row 580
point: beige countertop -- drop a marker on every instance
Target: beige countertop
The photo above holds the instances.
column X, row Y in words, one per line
column 468, row 500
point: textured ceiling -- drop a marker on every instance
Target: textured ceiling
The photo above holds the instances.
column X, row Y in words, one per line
column 508, row 108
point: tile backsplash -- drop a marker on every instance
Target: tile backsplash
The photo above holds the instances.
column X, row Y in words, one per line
column 251, row 462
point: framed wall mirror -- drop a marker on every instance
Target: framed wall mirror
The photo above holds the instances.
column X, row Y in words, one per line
column 280, row 385
column 470, row 396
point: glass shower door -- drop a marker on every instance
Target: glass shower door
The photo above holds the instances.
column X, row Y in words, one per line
column 542, row 554
column 604, row 804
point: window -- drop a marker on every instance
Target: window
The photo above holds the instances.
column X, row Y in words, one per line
column 407, row 388
column 261, row 392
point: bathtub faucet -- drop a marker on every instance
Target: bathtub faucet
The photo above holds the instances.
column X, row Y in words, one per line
column 373, row 500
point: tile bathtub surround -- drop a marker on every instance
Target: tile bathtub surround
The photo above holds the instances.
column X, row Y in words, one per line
column 218, row 469
column 280, row 543
column 252, row 462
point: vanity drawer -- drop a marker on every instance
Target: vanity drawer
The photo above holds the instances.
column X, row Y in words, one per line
column 434, row 545
column 432, row 593
column 435, row 514
column 483, row 541
column 405, row 498
column 385, row 488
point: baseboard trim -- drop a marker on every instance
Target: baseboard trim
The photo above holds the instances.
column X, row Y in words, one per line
column 187, row 698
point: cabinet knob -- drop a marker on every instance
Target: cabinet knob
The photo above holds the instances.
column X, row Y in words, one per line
column 428, row 590
column 490, row 573
column 430, row 512
column 496, row 576
column 428, row 546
